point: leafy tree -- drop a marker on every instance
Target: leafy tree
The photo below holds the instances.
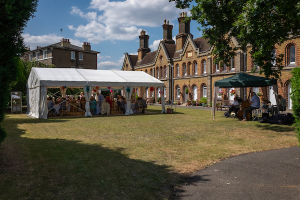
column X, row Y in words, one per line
column 296, row 98
column 259, row 23
column 24, row 69
column 14, row 15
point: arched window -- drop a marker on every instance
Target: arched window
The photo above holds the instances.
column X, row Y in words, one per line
column 177, row 70
column 166, row 72
column 196, row 68
column 292, row 55
column 290, row 103
column 195, row 93
column 232, row 64
column 245, row 61
column 184, row 70
column 151, row 72
column 147, row 94
column 158, row 73
column 204, row 67
column 178, row 92
column 204, row 91
column 217, row 67
column 165, row 92
column 274, row 57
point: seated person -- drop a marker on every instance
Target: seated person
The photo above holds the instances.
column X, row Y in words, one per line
column 93, row 105
column 255, row 103
column 233, row 107
column 50, row 104
column 282, row 105
column 122, row 104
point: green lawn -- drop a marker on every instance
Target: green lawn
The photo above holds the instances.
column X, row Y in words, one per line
column 122, row 157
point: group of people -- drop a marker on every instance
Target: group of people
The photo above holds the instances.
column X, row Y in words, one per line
column 55, row 105
column 255, row 104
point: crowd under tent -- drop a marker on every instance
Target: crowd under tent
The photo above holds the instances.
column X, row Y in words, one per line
column 243, row 80
column 42, row 78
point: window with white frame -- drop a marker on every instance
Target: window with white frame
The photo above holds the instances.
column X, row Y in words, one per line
column 166, row 72
column 37, row 55
column 204, row 67
column 292, row 55
column 165, row 92
column 232, row 64
column 177, row 70
column 184, row 69
column 44, row 54
column 158, row 92
column 178, row 92
column 158, row 73
column 80, row 56
column 204, row 91
column 274, row 57
column 255, row 89
column 196, row 68
column 73, row 55
column 217, row 67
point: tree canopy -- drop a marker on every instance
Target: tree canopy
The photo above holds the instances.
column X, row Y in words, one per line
column 260, row 24
column 14, row 16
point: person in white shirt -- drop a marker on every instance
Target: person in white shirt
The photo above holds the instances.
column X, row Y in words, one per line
column 234, row 107
column 255, row 103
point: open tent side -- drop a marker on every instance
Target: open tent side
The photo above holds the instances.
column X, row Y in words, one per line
column 243, row 80
column 42, row 78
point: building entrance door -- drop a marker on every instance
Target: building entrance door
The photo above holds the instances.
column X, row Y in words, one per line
column 272, row 98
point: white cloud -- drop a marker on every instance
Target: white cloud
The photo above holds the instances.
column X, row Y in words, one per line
column 100, row 57
column 121, row 20
column 43, row 40
column 155, row 44
column 110, row 65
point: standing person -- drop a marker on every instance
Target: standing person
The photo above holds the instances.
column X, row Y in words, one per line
column 93, row 104
column 255, row 103
column 50, row 104
column 81, row 95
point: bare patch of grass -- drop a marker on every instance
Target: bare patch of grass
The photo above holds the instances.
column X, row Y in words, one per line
column 120, row 157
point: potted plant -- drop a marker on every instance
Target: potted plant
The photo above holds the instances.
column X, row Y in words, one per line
column 259, row 94
column 220, row 93
column 159, row 100
column 194, row 103
column 186, row 91
column 232, row 92
column 203, row 101
column 200, row 103
column 188, row 102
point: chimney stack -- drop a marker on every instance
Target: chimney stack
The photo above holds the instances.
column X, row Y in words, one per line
column 167, row 33
column 184, row 30
column 86, row 46
column 144, row 45
column 65, row 42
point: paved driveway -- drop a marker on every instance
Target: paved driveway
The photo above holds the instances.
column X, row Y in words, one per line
column 264, row 175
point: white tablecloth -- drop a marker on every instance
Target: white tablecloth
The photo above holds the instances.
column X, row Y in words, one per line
column 105, row 108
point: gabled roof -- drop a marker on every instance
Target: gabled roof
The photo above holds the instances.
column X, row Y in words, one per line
column 171, row 49
column 133, row 59
column 202, row 44
column 149, row 58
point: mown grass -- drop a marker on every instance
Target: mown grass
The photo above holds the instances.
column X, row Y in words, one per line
column 122, row 157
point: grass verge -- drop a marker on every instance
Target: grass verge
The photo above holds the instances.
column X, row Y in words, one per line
column 122, row 157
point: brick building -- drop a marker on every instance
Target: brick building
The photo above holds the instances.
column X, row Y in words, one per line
column 188, row 65
column 65, row 55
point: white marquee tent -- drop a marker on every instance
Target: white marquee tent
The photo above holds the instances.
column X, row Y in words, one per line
column 42, row 78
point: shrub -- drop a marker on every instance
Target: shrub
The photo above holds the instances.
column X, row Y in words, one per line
column 159, row 98
column 203, row 100
column 296, row 98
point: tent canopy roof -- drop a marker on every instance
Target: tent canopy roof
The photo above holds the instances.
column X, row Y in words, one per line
column 245, row 80
column 56, row 77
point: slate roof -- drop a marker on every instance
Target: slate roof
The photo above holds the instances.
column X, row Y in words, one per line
column 202, row 44
column 133, row 59
column 149, row 58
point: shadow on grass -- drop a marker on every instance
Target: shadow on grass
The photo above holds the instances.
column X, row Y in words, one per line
column 276, row 128
column 64, row 169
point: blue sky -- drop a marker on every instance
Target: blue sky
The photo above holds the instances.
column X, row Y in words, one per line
column 112, row 27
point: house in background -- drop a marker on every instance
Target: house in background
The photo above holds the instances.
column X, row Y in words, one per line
column 188, row 69
column 64, row 55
